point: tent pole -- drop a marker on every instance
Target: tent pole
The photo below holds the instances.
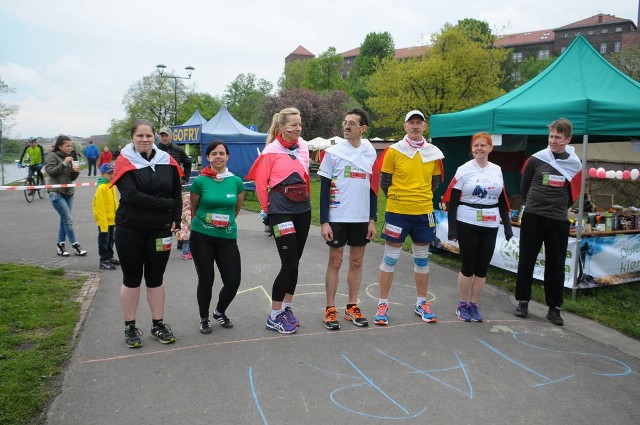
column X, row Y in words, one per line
column 585, row 143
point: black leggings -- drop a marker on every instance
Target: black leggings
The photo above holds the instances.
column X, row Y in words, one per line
column 476, row 248
column 140, row 253
column 536, row 230
column 290, row 247
column 224, row 252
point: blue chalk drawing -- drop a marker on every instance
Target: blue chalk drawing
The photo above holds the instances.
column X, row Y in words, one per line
column 546, row 379
column 255, row 397
column 430, row 373
column 626, row 369
column 366, row 380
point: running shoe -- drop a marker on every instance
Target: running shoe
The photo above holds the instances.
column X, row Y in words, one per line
column 223, row 320
column 162, row 332
column 523, row 309
column 330, row 319
column 107, row 265
column 288, row 312
column 424, row 311
column 205, row 326
column 132, row 336
column 114, row 262
column 462, row 311
column 553, row 315
column 474, row 312
column 382, row 318
column 280, row 324
column 354, row 314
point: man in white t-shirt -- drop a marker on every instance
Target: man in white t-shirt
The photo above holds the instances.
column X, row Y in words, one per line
column 348, row 208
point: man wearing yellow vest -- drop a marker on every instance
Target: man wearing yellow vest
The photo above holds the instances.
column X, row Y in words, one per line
column 36, row 158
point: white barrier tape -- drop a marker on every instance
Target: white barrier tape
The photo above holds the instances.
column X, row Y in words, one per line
column 47, row 186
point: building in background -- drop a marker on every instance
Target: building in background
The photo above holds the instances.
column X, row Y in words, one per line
column 607, row 33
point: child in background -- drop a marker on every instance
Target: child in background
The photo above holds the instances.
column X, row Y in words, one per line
column 105, row 204
column 184, row 233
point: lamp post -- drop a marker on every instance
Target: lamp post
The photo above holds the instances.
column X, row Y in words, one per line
column 175, row 78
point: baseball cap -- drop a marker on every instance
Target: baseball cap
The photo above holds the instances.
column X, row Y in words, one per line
column 165, row 130
column 32, row 139
column 412, row 113
column 106, row 168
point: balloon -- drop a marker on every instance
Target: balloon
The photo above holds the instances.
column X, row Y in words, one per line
column 626, row 174
column 593, row 172
column 610, row 174
column 601, row 173
column 634, row 174
column 619, row 175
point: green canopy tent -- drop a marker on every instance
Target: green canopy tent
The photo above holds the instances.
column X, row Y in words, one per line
column 602, row 103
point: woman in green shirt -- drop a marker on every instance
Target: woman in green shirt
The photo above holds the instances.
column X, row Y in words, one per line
column 216, row 200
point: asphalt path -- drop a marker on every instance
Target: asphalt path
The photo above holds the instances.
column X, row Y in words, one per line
column 504, row 370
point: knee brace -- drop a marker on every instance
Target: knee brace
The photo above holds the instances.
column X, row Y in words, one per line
column 420, row 258
column 390, row 258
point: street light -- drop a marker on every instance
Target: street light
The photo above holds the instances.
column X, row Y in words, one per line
column 175, row 78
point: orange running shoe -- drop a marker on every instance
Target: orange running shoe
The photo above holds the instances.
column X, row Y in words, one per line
column 354, row 314
column 330, row 319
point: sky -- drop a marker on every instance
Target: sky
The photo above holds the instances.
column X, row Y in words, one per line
column 71, row 62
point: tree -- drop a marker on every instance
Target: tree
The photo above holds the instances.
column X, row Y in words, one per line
column 477, row 31
column 324, row 73
column 245, row 97
column 151, row 98
column 374, row 48
column 322, row 113
column 294, row 73
column 531, row 67
column 456, row 73
column 6, row 109
column 207, row 104
column 627, row 61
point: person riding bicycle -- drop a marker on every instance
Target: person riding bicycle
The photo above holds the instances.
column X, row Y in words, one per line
column 36, row 158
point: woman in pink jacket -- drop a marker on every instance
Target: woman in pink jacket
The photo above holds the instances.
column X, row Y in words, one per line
column 281, row 175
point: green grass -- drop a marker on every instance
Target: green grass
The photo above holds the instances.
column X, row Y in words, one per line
column 38, row 312
column 613, row 306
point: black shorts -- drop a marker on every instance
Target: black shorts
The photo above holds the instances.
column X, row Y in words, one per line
column 352, row 234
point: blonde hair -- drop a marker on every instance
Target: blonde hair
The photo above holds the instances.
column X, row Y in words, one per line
column 279, row 118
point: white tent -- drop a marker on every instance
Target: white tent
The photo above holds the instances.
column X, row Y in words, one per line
column 318, row 144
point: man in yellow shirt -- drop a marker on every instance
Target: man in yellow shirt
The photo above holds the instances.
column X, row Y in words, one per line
column 36, row 158
column 411, row 171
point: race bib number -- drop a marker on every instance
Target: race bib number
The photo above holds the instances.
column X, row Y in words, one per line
column 218, row 220
column 164, row 244
column 282, row 229
column 553, row 180
column 354, row 173
column 392, row 231
column 486, row 215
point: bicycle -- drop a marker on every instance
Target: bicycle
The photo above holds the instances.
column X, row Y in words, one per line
column 33, row 179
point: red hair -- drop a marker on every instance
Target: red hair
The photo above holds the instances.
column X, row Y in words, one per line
column 481, row 135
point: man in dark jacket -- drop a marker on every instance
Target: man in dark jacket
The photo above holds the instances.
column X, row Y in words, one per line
column 175, row 151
